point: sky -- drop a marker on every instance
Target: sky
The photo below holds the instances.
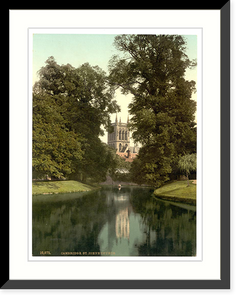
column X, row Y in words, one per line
column 96, row 49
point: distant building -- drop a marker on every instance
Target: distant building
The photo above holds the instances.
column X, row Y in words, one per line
column 119, row 139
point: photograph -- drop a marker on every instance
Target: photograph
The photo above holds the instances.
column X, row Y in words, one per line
column 114, row 144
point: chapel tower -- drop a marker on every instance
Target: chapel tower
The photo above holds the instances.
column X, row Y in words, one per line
column 119, row 139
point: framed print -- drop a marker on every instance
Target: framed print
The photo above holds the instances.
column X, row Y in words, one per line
column 114, row 119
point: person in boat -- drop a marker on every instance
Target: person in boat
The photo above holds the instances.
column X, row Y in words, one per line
column 119, row 186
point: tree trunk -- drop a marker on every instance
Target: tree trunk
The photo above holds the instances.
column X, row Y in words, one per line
column 187, row 180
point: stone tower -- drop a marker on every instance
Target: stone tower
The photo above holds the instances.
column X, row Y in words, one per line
column 119, row 139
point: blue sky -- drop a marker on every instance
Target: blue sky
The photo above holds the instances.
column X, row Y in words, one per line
column 74, row 49
column 96, row 49
column 77, row 49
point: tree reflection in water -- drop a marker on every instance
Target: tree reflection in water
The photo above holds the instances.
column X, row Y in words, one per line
column 129, row 222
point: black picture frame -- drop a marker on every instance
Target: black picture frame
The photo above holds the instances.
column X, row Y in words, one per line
column 224, row 282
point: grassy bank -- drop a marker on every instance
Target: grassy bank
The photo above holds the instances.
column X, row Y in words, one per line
column 178, row 191
column 57, row 187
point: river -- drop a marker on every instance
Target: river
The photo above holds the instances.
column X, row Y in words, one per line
column 112, row 222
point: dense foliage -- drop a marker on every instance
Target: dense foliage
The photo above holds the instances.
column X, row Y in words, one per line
column 69, row 107
column 152, row 70
column 187, row 164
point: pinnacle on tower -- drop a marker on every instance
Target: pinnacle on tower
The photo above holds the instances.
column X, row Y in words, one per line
column 127, row 118
column 116, row 121
column 120, row 119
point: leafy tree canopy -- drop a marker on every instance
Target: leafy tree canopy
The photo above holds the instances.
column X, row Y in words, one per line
column 70, row 105
column 187, row 164
column 56, row 151
column 152, row 69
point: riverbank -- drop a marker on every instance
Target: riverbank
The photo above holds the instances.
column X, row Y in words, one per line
column 178, row 191
column 60, row 187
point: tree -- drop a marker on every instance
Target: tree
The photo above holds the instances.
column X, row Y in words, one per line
column 83, row 94
column 71, row 104
column 56, row 150
column 188, row 163
column 152, row 70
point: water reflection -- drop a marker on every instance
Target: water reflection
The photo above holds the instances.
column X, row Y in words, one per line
column 126, row 222
column 122, row 224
